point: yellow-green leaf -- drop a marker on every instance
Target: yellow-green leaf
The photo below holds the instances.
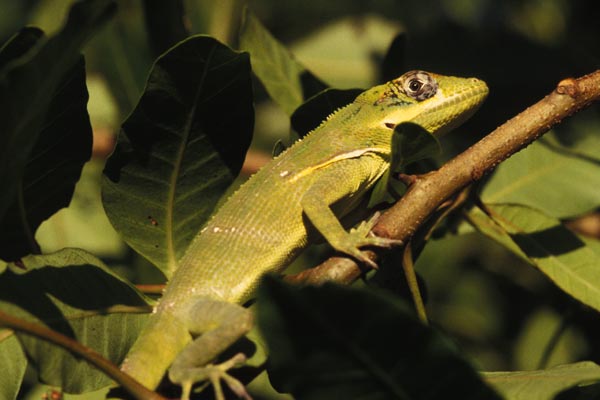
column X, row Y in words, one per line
column 546, row 244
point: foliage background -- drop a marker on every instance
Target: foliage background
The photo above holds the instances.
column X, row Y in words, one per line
column 502, row 313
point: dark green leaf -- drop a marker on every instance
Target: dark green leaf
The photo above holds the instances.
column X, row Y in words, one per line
column 339, row 343
column 180, row 149
column 545, row 243
column 410, row 143
column 543, row 384
column 27, row 87
column 73, row 293
column 63, row 145
column 582, row 392
column 287, row 82
column 316, row 109
column 278, row 148
column 18, row 45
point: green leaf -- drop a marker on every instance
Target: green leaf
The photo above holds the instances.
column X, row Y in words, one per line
column 316, row 109
column 14, row 363
column 27, row 87
column 541, row 177
column 73, row 293
column 287, row 81
column 577, row 136
column 327, row 342
column 410, row 143
column 546, row 244
column 63, row 145
column 88, row 225
column 180, row 149
column 543, row 384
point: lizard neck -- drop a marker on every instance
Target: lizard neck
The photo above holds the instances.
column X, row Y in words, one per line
column 351, row 129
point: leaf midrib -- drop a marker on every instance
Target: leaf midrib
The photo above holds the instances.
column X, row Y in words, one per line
column 171, row 251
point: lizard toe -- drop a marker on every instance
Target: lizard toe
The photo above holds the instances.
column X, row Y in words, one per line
column 213, row 374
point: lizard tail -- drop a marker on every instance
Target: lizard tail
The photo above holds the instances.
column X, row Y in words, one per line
column 158, row 345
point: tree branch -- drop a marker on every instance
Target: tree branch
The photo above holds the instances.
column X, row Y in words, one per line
column 429, row 191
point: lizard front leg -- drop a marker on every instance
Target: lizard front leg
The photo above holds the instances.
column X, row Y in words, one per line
column 219, row 324
column 341, row 183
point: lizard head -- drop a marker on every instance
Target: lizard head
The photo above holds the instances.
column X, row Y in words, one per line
column 436, row 102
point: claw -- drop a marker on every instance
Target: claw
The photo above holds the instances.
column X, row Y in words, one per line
column 362, row 236
column 215, row 373
column 368, row 261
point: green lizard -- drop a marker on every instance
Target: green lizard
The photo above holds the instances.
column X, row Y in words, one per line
column 266, row 223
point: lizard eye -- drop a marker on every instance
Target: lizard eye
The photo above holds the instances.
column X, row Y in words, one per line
column 415, row 85
column 419, row 85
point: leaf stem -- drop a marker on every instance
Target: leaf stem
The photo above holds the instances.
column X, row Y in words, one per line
column 413, row 283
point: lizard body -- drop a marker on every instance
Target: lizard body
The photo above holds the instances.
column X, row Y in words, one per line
column 271, row 217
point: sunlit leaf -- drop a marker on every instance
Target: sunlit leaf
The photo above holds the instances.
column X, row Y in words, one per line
column 577, row 137
column 559, row 184
column 180, row 149
column 545, row 243
column 14, row 363
column 543, row 384
column 287, row 81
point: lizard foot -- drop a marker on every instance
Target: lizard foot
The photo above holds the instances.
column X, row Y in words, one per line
column 362, row 236
column 212, row 374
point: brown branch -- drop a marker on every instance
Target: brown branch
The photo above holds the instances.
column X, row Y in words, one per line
column 131, row 385
column 157, row 289
column 429, row 191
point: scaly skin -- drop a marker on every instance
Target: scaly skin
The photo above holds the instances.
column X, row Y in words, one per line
column 267, row 222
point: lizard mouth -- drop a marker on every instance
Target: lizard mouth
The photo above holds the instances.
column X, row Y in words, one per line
column 455, row 100
column 446, row 112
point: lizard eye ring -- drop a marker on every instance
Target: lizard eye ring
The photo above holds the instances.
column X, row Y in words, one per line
column 419, row 85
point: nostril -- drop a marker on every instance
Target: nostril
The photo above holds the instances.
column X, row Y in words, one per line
column 390, row 125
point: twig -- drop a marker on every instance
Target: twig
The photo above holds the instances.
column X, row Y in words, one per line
column 413, row 283
column 94, row 358
column 429, row 191
column 157, row 289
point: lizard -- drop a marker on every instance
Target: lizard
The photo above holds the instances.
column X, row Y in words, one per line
column 269, row 220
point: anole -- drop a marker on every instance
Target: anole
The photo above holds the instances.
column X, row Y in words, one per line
column 267, row 222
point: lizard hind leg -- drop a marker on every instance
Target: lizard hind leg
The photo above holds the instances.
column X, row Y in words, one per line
column 219, row 325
